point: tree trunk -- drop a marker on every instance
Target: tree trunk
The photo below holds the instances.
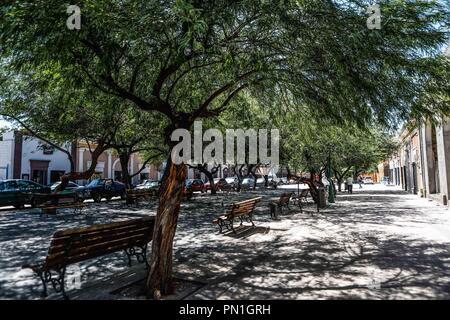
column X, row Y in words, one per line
column 159, row 281
column 238, row 174
column 72, row 176
column 339, row 182
column 210, row 177
column 124, row 160
column 266, row 181
column 251, row 171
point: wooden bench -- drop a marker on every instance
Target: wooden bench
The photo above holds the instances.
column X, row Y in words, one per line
column 75, row 245
column 301, row 198
column 242, row 210
column 277, row 206
column 51, row 203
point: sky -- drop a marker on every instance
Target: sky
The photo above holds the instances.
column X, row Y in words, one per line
column 4, row 124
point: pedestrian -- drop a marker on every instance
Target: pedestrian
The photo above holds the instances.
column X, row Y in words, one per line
column 350, row 184
column 360, row 181
column 345, row 185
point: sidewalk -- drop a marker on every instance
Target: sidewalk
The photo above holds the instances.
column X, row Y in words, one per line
column 379, row 243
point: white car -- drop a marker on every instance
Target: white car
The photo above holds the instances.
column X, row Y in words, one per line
column 368, row 180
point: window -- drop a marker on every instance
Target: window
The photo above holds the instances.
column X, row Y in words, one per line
column 25, row 185
column 2, row 187
column 11, row 185
column 93, row 183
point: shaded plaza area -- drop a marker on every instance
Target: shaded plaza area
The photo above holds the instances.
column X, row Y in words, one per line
column 378, row 243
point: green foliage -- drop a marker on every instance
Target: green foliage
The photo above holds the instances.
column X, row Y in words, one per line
column 188, row 59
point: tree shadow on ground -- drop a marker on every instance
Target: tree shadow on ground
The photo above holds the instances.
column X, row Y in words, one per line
column 342, row 252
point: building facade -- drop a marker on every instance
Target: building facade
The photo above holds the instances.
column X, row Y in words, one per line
column 421, row 164
column 435, row 140
column 26, row 157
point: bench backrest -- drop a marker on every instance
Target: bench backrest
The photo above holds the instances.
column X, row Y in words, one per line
column 285, row 197
column 59, row 199
column 243, row 207
column 79, row 244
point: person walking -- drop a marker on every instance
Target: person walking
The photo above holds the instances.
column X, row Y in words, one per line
column 350, row 184
column 360, row 181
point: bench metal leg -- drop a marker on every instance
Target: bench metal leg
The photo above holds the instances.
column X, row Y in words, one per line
column 227, row 224
column 140, row 253
column 44, row 285
column 57, row 282
column 247, row 218
column 273, row 211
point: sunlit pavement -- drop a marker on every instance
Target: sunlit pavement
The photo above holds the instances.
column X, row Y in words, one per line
column 379, row 243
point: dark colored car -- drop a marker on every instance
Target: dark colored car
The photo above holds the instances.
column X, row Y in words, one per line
column 216, row 185
column 103, row 188
column 18, row 193
column 149, row 185
column 71, row 188
column 196, row 185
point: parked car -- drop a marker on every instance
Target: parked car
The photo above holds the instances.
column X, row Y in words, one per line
column 232, row 181
column 149, row 185
column 71, row 189
column 216, row 184
column 103, row 188
column 196, row 185
column 247, row 183
column 368, row 180
column 261, row 182
column 225, row 184
column 18, row 193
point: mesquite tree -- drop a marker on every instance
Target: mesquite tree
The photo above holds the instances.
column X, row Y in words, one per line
column 188, row 59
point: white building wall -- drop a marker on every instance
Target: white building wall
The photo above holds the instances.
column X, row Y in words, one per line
column 31, row 151
column 6, row 155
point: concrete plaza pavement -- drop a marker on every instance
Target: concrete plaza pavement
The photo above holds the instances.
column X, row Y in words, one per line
column 378, row 243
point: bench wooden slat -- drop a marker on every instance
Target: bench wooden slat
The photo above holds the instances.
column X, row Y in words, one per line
column 62, row 238
column 96, row 250
column 109, row 226
column 74, row 245
column 243, row 208
column 89, row 254
column 58, row 245
column 79, row 244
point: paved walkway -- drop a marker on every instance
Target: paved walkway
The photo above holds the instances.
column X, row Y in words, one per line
column 379, row 243
column 375, row 244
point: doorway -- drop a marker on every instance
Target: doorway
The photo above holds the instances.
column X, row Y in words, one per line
column 39, row 171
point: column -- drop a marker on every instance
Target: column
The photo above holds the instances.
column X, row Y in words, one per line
column 81, row 159
column 443, row 151
column 109, row 174
column 131, row 170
